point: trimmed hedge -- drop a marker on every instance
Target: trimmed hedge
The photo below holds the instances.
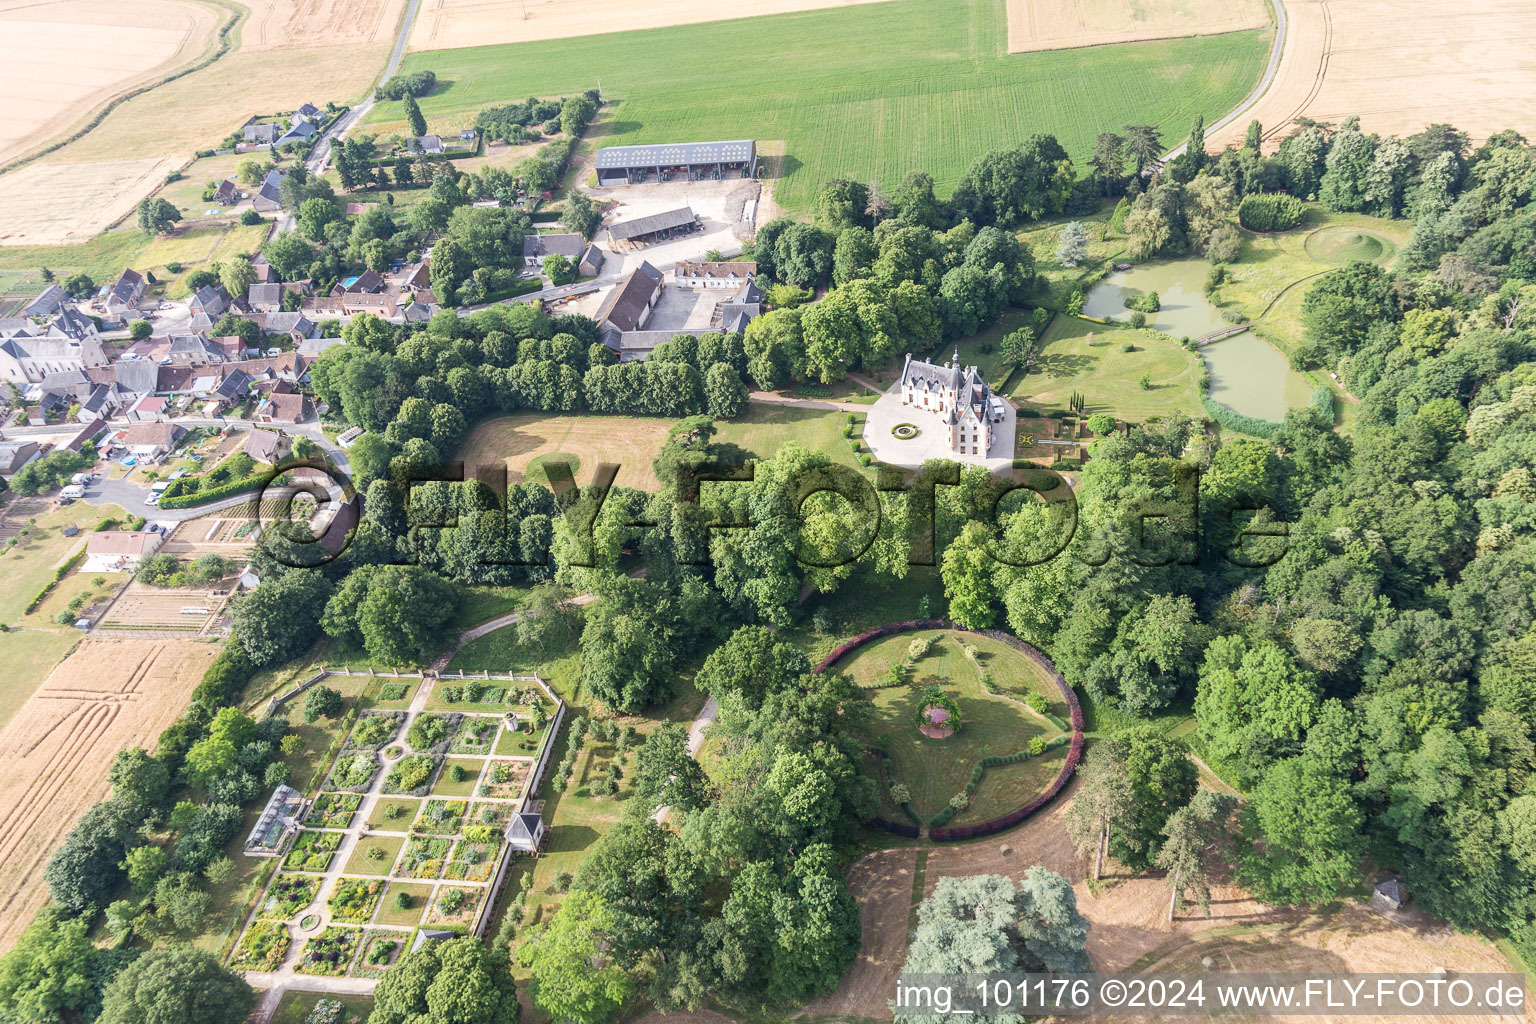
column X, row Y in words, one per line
column 190, row 499
column 58, row 574
column 1271, row 211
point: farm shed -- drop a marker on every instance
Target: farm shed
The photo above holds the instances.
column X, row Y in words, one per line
column 696, row 161
column 653, row 228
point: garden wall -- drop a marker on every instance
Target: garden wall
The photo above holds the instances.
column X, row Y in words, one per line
column 950, row 834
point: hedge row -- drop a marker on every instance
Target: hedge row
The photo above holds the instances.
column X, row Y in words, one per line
column 896, row 828
column 58, row 574
column 1234, row 420
column 200, row 497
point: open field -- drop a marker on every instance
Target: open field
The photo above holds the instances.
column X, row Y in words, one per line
column 869, row 91
column 449, row 24
column 630, row 441
column 1400, row 65
column 54, row 755
column 56, row 204
column 1053, row 25
column 66, row 58
column 289, row 24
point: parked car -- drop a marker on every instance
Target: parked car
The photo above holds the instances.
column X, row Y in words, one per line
column 152, row 499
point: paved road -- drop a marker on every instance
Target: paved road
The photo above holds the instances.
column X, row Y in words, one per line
column 1275, row 50
column 322, row 150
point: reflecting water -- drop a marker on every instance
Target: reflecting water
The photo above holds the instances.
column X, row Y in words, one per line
column 1180, row 286
column 1249, row 375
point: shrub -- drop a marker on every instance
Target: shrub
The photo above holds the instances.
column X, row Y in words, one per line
column 1036, row 746
column 1232, row 316
column 403, row 900
column 1269, row 212
column 1138, row 321
column 456, row 773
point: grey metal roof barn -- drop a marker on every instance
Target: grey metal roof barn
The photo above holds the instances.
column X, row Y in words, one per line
column 627, row 165
column 656, row 223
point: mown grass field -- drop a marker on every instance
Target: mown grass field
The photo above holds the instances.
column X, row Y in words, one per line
column 870, row 91
column 1080, row 355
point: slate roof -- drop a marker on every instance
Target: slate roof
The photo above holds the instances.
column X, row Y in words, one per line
column 676, row 154
column 262, row 134
column 136, row 375
column 623, row 306
column 640, row 226
column 426, row 144
column 123, row 288
column 47, row 301
column 308, row 110
column 302, row 131
column 266, row 297
column 567, row 244
column 593, row 256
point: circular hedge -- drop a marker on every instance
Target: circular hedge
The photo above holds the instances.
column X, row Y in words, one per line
column 935, row 697
column 904, row 431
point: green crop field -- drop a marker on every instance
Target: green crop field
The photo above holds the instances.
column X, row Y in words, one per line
column 870, row 91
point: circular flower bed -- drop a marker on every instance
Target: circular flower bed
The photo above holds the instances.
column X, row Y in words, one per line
column 904, row 431
column 308, row 921
column 393, row 752
column 938, row 714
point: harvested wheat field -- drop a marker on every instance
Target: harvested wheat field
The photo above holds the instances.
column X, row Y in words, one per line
column 632, row 442
column 1400, row 65
column 1131, row 931
column 449, row 24
column 66, row 58
column 1062, row 24
column 55, row 754
column 55, row 204
column 287, row 24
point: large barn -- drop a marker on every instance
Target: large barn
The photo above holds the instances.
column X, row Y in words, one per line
column 693, row 161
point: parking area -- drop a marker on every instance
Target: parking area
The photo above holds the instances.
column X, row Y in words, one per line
column 726, row 212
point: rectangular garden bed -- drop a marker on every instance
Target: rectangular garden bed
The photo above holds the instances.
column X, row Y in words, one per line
column 330, row 953
column 289, row 894
column 355, row 899
column 333, row 810
column 441, row 817
column 424, row 857
column 312, row 851
column 262, row 948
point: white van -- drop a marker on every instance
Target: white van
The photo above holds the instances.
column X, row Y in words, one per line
column 72, row 491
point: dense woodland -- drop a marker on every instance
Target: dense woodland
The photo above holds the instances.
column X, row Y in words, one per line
column 1349, row 615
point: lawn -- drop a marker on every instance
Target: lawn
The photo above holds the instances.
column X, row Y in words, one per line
column 389, row 913
column 936, row 769
column 380, row 817
column 480, row 604
column 196, row 248
column 1083, row 356
column 767, row 428
column 869, row 91
column 389, row 693
column 360, row 863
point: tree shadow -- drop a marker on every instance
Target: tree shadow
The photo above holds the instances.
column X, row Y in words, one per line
column 781, row 166
column 604, row 129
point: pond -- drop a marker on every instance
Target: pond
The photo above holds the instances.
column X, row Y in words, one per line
column 1180, row 287
column 1247, row 373
column 1251, row 377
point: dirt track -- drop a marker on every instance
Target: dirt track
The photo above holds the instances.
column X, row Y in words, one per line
column 55, row 754
column 1130, row 926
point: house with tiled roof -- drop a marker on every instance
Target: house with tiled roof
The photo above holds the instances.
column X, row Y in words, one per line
column 285, row 408
column 268, row 198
